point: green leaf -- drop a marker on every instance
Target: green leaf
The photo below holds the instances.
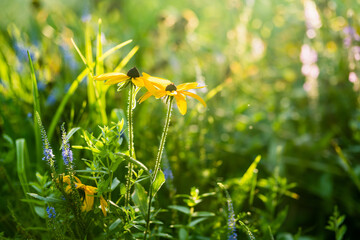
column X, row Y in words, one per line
column 203, row 214
column 40, row 211
column 45, row 199
column 22, row 159
column 340, row 234
column 140, row 198
column 182, row 209
column 114, row 224
column 159, row 181
column 183, row 234
column 196, row 221
column 114, row 184
column 163, row 235
column 128, row 158
column 247, row 177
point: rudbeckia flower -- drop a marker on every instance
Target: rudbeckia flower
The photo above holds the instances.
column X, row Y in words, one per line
column 159, row 87
column 132, row 75
column 87, row 194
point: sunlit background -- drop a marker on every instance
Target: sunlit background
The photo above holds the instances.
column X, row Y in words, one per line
column 282, row 81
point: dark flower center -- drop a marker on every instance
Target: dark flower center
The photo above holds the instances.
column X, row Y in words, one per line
column 171, row 87
column 133, row 73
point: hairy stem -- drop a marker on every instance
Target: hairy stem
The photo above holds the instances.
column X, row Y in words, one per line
column 131, row 143
column 157, row 163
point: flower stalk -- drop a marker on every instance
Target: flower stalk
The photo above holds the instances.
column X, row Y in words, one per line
column 169, row 100
column 131, row 142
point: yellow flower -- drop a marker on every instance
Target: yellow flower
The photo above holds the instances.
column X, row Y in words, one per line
column 159, row 87
column 132, row 75
column 87, row 194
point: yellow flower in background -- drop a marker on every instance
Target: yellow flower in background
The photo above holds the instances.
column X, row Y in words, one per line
column 159, row 87
column 132, row 75
column 88, row 194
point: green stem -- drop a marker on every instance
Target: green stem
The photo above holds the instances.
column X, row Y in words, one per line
column 157, row 163
column 131, row 143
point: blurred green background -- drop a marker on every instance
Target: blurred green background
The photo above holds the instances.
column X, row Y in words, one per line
column 281, row 81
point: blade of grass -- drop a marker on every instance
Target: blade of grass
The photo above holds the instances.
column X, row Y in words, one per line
column 126, row 59
column 36, row 103
column 73, row 88
column 22, row 159
column 89, row 57
column 82, row 56
column 112, row 50
column 99, row 70
column 347, row 166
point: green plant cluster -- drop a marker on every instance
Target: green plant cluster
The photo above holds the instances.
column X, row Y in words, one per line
column 282, row 82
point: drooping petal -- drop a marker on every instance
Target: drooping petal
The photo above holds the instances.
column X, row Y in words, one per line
column 89, row 197
column 66, row 179
column 107, row 76
column 116, row 80
column 103, row 205
column 159, row 82
column 144, row 97
column 190, row 94
column 181, row 103
column 187, row 86
column 158, row 93
column 139, row 82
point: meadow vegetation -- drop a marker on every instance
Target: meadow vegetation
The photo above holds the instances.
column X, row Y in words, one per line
column 235, row 119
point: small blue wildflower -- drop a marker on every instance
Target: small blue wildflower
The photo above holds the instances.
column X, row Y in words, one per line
column 168, row 174
column 51, row 212
column 66, row 151
column 41, row 86
column 48, row 153
column 51, row 100
column 29, row 115
column 231, row 221
column 166, row 167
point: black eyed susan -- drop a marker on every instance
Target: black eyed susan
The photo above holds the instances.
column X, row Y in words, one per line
column 159, row 88
column 87, row 194
column 132, row 75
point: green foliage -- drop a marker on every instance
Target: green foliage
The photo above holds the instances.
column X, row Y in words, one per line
column 336, row 225
column 282, row 81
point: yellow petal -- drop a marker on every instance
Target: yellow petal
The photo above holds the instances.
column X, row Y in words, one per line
column 107, row 76
column 89, row 197
column 187, row 86
column 190, row 94
column 145, row 96
column 138, row 81
column 103, row 205
column 66, row 179
column 116, row 80
column 181, row 103
column 159, row 82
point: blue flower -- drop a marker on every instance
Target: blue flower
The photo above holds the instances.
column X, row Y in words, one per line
column 66, row 151
column 51, row 212
column 168, row 173
column 47, row 151
column 231, row 221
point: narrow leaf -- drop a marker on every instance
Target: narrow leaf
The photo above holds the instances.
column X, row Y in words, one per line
column 158, row 182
